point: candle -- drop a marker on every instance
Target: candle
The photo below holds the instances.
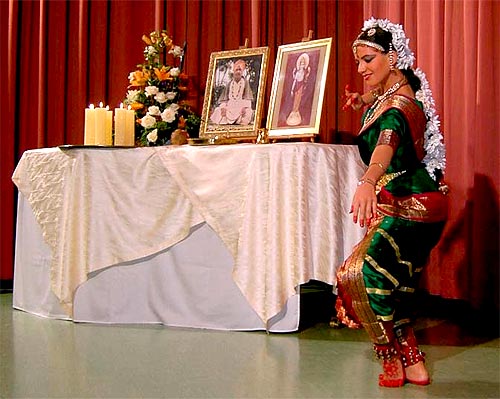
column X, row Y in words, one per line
column 124, row 126
column 89, row 136
column 103, row 125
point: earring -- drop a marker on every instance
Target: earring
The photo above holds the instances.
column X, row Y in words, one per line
column 391, row 57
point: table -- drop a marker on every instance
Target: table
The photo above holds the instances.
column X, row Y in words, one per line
column 208, row 236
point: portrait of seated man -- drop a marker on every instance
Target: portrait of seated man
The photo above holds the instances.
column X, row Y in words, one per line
column 234, row 105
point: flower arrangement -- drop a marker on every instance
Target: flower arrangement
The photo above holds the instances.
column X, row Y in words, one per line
column 157, row 93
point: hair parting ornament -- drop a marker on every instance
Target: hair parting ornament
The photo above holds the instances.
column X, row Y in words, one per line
column 435, row 152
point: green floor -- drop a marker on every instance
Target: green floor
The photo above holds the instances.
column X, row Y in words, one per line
column 42, row 358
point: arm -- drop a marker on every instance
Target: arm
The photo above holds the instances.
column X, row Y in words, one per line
column 356, row 100
column 364, row 202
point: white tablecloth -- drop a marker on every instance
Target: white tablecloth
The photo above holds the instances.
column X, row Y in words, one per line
column 280, row 210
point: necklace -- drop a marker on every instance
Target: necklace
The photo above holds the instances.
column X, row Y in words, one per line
column 384, row 96
column 233, row 92
column 391, row 90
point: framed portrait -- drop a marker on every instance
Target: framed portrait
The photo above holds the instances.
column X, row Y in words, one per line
column 234, row 96
column 298, row 89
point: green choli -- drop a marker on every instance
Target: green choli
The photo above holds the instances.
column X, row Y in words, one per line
column 415, row 179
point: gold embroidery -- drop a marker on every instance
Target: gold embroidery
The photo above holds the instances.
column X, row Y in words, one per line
column 378, row 291
column 351, row 278
column 395, row 246
column 375, row 265
column 385, row 179
column 406, row 289
column 401, row 322
column 426, row 207
column 388, row 137
column 386, row 318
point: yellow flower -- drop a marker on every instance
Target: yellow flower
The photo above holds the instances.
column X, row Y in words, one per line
column 139, row 78
column 136, row 106
column 162, row 73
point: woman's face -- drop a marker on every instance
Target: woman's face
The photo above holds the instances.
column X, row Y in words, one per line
column 372, row 65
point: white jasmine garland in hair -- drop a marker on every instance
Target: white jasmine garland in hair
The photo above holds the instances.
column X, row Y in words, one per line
column 435, row 151
column 400, row 42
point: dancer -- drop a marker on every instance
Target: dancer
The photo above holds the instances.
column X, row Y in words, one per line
column 399, row 199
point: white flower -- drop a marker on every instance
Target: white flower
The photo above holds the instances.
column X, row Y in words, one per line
column 177, row 51
column 150, row 50
column 132, row 95
column 148, row 121
column 153, row 136
column 174, row 107
column 171, row 95
column 168, row 115
column 151, row 90
column 154, row 110
column 161, row 97
column 175, row 72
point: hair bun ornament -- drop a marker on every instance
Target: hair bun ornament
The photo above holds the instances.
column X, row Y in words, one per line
column 400, row 42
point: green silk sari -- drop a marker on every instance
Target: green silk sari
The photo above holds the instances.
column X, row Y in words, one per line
column 376, row 283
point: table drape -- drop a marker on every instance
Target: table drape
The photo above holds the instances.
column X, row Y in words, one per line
column 281, row 210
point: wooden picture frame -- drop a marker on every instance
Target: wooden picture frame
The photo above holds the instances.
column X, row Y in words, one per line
column 298, row 89
column 234, row 96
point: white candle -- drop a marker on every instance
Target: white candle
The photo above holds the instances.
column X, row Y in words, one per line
column 130, row 127
column 124, row 126
column 89, row 135
column 108, row 133
column 103, row 125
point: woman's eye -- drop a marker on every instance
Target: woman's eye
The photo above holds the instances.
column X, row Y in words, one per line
column 368, row 59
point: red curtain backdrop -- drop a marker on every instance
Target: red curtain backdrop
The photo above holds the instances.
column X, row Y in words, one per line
column 58, row 56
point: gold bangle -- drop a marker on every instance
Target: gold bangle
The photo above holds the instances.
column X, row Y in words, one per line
column 379, row 164
column 366, row 180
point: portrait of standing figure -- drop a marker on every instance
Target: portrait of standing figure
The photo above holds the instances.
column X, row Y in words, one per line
column 300, row 82
column 298, row 89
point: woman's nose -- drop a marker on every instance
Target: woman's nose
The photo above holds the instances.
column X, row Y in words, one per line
column 361, row 67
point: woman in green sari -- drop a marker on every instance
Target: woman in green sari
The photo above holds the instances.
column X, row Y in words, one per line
column 398, row 199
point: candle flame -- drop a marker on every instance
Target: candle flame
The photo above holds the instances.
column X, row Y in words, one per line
column 101, row 104
column 91, row 106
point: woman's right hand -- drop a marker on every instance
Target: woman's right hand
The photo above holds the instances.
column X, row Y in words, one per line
column 354, row 100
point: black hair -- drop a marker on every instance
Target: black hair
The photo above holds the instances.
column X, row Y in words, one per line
column 383, row 38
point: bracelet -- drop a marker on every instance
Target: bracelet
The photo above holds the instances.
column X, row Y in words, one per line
column 366, row 180
column 379, row 164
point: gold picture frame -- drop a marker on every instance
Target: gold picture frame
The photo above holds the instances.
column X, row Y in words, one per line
column 298, row 89
column 234, row 96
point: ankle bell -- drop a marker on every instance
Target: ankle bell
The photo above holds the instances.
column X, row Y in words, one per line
column 385, row 352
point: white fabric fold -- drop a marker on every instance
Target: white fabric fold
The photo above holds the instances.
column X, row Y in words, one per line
column 100, row 207
column 282, row 210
